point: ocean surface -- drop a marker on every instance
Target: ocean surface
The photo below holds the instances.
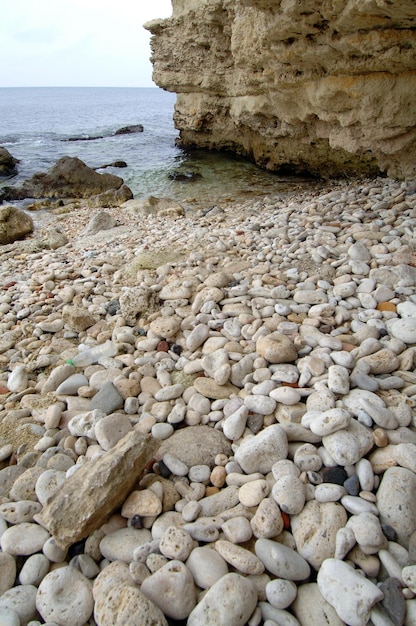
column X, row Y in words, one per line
column 38, row 126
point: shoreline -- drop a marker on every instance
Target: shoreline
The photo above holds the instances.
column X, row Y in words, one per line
column 292, row 314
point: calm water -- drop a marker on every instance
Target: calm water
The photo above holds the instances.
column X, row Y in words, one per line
column 35, row 124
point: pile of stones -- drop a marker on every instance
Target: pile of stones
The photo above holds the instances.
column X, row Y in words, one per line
column 269, row 368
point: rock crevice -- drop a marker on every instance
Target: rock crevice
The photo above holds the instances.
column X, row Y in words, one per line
column 322, row 87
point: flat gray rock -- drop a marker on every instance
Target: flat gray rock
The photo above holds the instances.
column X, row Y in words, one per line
column 197, row 445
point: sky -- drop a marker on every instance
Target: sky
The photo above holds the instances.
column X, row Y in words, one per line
column 77, row 43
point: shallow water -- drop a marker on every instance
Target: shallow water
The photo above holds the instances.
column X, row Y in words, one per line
column 36, row 123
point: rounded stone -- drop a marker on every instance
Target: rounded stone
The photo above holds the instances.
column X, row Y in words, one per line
column 144, row 503
column 289, row 493
column 286, row 395
column 34, row 570
column 396, row 503
column 403, row 329
column 198, row 445
column 18, row 512
column 172, row 589
column 281, row 593
column 232, row 599
column 120, row 545
column 267, row 521
column 110, row 429
column 351, row 594
column 310, row 607
column 112, row 575
column 367, row 532
column 48, row 484
column 282, row 561
column 315, row 528
column 18, row 482
column 22, row 600
column 9, row 617
column 70, row 386
column 237, row 530
column 65, row 596
column 207, row 566
column 176, row 544
column 23, row 539
column 276, row 348
column 253, row 492
column 126, row 604
column 7, row 571
column 241, row 559
column 162, row 430
column 259, row 453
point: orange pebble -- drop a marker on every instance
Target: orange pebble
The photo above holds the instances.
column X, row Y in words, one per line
column 209, row 491
column 386, row 306
column 286, row 520
column 348, row 346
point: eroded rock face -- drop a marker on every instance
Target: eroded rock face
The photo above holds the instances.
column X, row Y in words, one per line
column 7, row 163
column 322, row 87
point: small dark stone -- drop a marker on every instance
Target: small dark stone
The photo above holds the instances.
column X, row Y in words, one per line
column 176, row 348
column 108, row 399
column 76, row 549
column 113, row 307
column 164, row 471
column 184, row 177
column 352, row 485
column 336, row 475
column 389, row 532
column 255, row 422
column 393, row 602
column 136, row 521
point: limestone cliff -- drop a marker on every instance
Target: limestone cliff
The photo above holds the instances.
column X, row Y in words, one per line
column 323, row 86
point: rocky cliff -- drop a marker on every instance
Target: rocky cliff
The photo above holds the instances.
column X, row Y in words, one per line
column 320, row 86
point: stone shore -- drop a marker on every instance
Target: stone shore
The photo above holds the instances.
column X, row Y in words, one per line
column 237, row 388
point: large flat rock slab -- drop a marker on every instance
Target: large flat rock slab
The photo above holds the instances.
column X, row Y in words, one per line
column 98, row 488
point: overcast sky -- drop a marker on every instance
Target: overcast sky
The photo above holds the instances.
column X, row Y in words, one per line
column 82, row 43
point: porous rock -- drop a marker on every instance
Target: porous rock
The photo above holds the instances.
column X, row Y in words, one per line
column 87, row 497
column 14, row 224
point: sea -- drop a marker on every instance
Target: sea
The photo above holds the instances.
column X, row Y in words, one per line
column 38, row 125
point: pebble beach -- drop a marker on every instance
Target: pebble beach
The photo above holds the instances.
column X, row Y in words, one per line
column 269, row 348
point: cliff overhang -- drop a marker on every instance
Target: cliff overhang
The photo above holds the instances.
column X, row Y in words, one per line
column 325, row 87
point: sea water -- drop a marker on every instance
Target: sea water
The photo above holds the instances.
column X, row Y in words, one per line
column 41, row 124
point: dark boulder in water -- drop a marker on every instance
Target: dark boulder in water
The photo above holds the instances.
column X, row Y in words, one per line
column 113, row 164
column 7, row 163
column 184, row 177
column 127, row 130
column 68, row 178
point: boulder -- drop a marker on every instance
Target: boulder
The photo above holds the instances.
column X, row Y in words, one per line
column 87, row 498
column 68, row 178
column 111, row 197
column 156, row 206
column 14, row 224
column 99, row 221
column 128, row 130
column 7, row 163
